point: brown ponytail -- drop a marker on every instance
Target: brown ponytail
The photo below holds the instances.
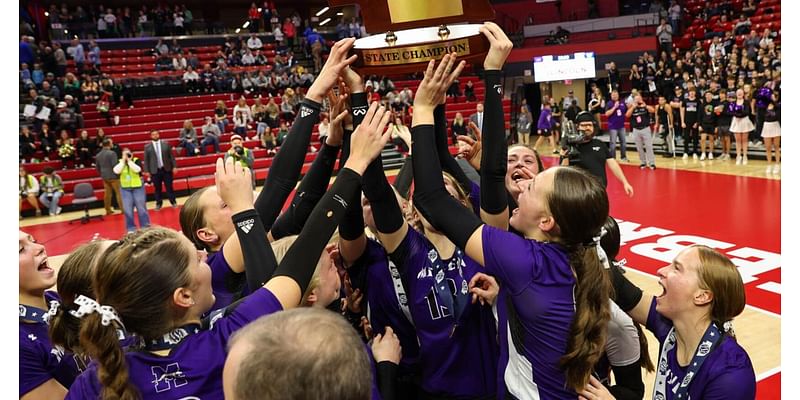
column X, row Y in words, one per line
column 101, row 344
column 74, row 279
column 579, row 205
column 644, row 355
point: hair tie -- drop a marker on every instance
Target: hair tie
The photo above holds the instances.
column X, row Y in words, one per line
column 52, row 311
column 87, row 306
column 600, row 252
column 727, row 327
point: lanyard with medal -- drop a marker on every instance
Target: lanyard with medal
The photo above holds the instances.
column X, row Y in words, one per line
column 711, row 338
column 456, row 299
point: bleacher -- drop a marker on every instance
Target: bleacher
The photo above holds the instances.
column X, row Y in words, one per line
column 194, row 172
column 696, row 28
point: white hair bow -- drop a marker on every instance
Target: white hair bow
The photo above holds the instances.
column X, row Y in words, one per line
column 52, row 311
column 87, row 306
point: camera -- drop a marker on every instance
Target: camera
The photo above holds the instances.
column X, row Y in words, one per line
column 571, row 137
column 239, row 150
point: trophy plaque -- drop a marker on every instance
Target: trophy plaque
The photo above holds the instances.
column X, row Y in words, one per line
column 407, row 34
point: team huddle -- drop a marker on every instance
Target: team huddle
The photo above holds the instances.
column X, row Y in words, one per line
column 506, row 288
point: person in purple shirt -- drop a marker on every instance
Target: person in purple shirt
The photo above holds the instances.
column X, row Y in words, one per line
column 155, row 284
column 692, row 320
column 544, row 127
column 615, row 111
column 553, row 303
column 45, row 371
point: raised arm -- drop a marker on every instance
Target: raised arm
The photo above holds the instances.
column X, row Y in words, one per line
column 288, row 162
column 297, row 268
column 494, row 158
column 430, row 196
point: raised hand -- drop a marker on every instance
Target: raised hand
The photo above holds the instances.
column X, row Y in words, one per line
column 484, row 288
column 333, row 67
column 386, row 347
column 368, row 139
column 500, row 46
column 338, row 112
column 234, row 185
column 353, row 80
column 434, row 86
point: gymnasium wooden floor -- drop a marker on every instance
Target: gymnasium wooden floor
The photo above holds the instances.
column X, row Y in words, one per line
column 736, row 209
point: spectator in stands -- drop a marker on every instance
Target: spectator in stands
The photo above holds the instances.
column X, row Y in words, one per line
column 188, row 138
column 160, row 49
column 60, row 58
column 675, row 17
column 66, row 149
column 179, row 62
column 742, row 26
column 163, row 63
column 50, row 91
column 28, row 189
column 477, row 117
column 27, row 144
column 129, row 169
column 273, row 114
column 766, row 38
column 613, row 76
column 52, row 188
column 175, row 47
column 562, row 35
column 259, row 113
column 458, row 127
column 85, row 149
column 241, row 106
column 749, row 9
column 283, row 131
column 240, row 123
column 105, row 161
column 287, row 105
column 191, row 80
column 47, row 141
column 254, row 43
column 94, row 55
column 104, row 108
column 221, row 115
column 207, row 78
column 211, row 134
column 277, row 33
column 664, row 35
column 253, row 16
column 66, row 118
column 192, row 60
column 72, row 86
column 290, row 32
column 178, row 22
column 75, row 51
column 160, row 164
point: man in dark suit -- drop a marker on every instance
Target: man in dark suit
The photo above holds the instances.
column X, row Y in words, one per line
column 477, row 118
column 159, row 164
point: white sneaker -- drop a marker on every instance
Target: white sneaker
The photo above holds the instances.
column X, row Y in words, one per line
column 58, row 210
column 685, row 156
column 744, row 160
column 769, row 169
column 738, row 160
column 702, row 156
column 776, row 169
column 694, row 156
column 710, row 156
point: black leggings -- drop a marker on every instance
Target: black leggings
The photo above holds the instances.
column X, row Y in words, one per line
column 690, row 135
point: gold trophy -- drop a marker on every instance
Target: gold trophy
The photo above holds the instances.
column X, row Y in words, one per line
column 407, row 34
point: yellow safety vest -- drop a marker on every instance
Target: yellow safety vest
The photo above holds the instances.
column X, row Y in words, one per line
column 129, row 179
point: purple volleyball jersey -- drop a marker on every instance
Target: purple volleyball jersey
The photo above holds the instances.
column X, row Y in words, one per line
column 617, row 119
column 193, row 369
column 727, row 372
column 536, row 279
column 372, row 272
column 224, row 282
column 460, row 362
column 39, row 360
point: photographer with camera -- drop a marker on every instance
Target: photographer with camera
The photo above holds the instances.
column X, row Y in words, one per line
column 129, row 169
column 241, row 154
column 580, row 148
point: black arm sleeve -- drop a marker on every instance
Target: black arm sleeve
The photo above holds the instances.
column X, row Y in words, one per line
column 352, row 227
column 387, row 379
column 286, row 166
column 626, row 294
column 448, row 163
column 431, row 198
column 312, row 187
column 259, row 260
column 495, row 152
column 402, row 182
column 301, row 259
column 628, row 379
column 385, row 210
